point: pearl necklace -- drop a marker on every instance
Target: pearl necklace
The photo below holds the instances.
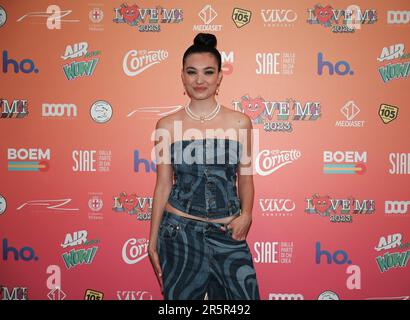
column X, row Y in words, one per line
column 203, row 118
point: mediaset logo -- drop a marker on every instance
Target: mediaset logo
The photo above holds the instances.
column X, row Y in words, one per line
column 341, row 20
column 388, row 113
column 241, row 17
column 91, row 160
column 16, row 109
column 398, row 66
column 396, row 207
column 134, row 295
column 269, row 161
column 338, row 210
column 53, row 14
column 286, row 296
column 277, row 115
column 398, row 17
column 344, row 162
column 76, row 257
column 273, row 252
column 275, row 63
column 392, row 260
column 207, row 15
column 350, row 110
column 83, row 63
column 14, row 293
column 277, row 207
column 59, row 110
column 31, row 159
column 101, row 111
column 399, row 163
column 133, row 205
column 134, row 250
column 147, row 19
column 278, row 17
column 25, row 66
column 136, row 62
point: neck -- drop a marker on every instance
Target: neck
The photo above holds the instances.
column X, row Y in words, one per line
column 203, row 107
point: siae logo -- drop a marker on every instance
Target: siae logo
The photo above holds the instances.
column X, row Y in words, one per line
column 338, row 257
column 25, row 253
column 25, row 65
column 341, row 67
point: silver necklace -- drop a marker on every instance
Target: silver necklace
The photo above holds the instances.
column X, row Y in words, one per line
column 203, row 118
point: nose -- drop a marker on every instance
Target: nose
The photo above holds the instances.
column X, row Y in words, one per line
column 199, row 79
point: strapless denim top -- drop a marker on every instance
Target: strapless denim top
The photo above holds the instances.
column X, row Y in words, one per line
column 205, row 174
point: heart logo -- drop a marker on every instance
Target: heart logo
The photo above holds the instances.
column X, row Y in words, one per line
column 129, row 14
column 321, row 204
column 323, row 14
column 128, row 202
column 252, row 107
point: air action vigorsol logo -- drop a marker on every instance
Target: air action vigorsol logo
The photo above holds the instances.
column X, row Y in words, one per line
column 397, row 67
column 341, row 20
column 82, row 64
column 338, row 210
column 146, row 19
column 77, row 257
column 389, row 260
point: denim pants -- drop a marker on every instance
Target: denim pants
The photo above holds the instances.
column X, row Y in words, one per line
column 199, row 257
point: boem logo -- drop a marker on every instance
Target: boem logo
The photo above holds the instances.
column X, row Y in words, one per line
column 338, row 257
column 25, row 65
column 341, row 67
column 25, row 253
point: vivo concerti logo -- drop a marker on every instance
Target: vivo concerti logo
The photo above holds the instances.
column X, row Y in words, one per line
column 134, row 250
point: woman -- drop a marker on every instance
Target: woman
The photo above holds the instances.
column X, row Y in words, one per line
column 198, row 227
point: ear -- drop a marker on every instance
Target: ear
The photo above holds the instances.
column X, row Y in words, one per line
column 220, row 76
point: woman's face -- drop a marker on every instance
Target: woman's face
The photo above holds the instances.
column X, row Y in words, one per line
column 200, row 76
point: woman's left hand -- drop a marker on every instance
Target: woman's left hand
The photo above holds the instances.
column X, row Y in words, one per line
column 240, row 226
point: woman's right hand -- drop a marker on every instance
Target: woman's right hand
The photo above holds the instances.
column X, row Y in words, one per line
column 153, row 256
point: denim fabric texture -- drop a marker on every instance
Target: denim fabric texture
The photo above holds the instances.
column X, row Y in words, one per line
column 199, row 257
column 205, row 177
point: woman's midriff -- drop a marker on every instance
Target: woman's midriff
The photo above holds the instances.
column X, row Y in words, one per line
column 170, row 208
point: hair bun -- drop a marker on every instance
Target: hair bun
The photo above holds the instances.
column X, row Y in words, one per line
column 205, row 40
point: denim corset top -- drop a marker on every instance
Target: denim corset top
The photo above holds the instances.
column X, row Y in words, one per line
column 205, row 174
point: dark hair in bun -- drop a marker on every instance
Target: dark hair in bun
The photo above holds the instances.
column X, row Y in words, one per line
column 204, row 42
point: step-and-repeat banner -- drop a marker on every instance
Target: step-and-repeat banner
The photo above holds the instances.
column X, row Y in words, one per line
column 325, row 84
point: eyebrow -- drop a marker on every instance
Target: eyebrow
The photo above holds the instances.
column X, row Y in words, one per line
column 206, row 68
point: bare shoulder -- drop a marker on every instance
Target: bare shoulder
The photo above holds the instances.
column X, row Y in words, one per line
column 238, row 119
column 167, row 122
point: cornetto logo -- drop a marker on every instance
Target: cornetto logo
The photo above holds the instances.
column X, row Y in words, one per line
column 269, row 161
column 396, row 207
column 134, row 250
column 135, row 62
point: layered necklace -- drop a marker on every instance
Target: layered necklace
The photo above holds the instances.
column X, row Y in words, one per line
column 203, row 118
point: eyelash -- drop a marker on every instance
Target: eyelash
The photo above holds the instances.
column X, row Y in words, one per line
column 206, row 72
